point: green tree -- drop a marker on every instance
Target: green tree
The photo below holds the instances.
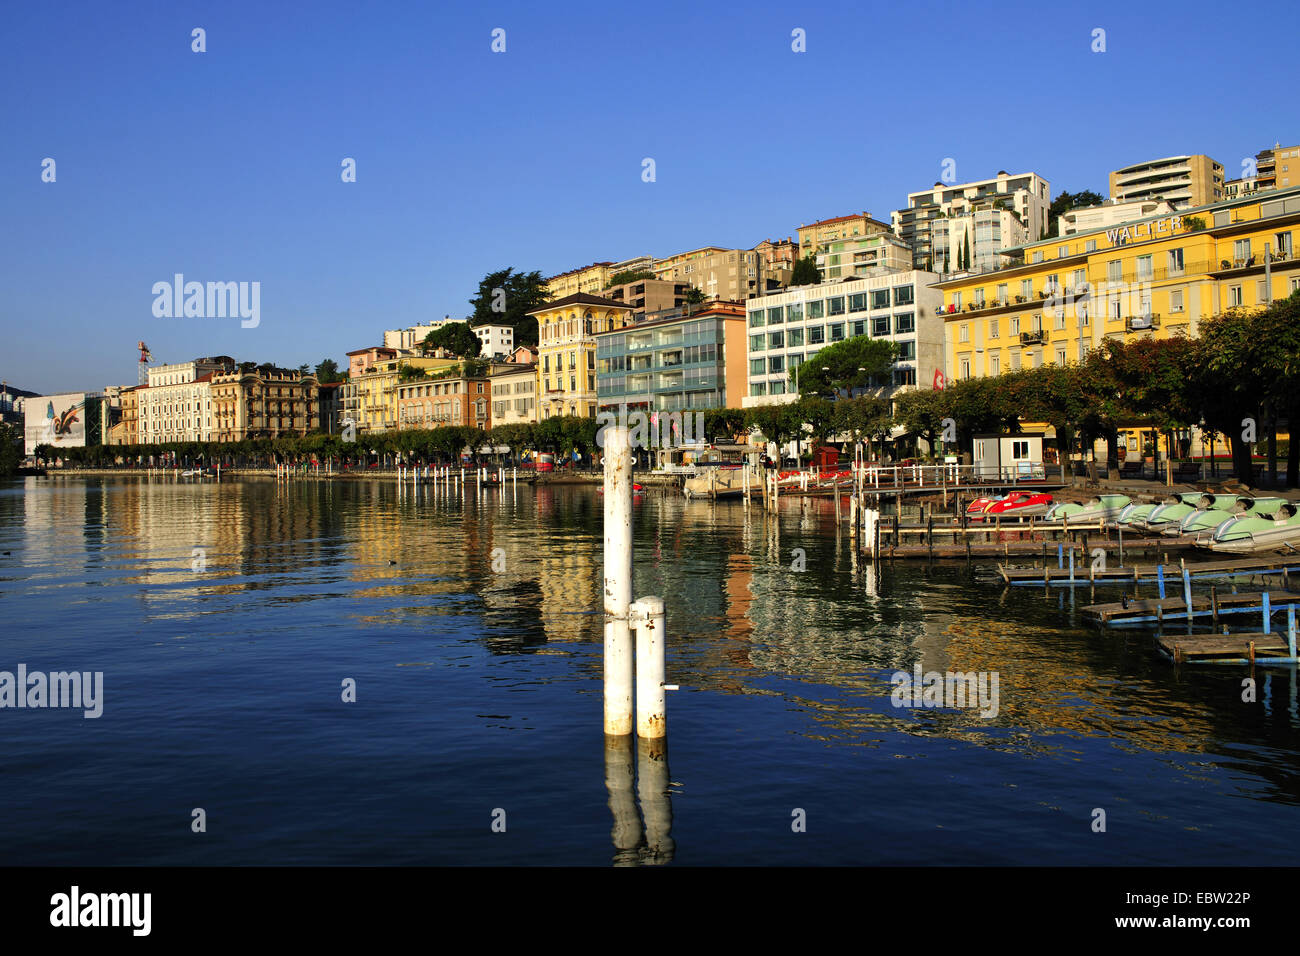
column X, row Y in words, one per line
column 805, row 272
column 1066, row 201
column 11, row 449
column 852, row 364
column 327, row 372
column 628, row 275
column 456, row 337
column 505, row 297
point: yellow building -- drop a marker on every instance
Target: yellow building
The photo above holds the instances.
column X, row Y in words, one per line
column 375, row 390
column 590, row 279
column 566, row 351
column 1158, row 276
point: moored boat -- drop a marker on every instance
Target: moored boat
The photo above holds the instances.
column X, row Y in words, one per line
column 1223, row 508
column 1096, row 508
column 1252, row 533
column 1017, row 504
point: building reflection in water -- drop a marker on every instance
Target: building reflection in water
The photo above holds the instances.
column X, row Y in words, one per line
column 644, row 837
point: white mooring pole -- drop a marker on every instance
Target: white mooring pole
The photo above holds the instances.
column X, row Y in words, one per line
column 647, row 614
column 618, row 581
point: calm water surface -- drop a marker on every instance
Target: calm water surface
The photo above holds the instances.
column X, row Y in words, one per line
column 480, row 690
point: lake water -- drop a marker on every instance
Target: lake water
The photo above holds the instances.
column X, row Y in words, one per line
column 478, row 693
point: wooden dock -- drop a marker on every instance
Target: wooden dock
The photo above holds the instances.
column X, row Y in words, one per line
column 1163, row 610
column 1256, row 648
column 1083, row 573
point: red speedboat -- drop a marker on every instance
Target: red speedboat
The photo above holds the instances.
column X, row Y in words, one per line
column 1017, row 504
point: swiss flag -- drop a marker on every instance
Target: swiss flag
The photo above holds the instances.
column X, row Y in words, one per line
column 939, row 380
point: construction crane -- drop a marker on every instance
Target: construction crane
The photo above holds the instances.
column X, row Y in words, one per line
column 142, row 372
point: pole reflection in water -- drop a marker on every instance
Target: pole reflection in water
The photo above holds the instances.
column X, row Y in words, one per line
column 635, row 844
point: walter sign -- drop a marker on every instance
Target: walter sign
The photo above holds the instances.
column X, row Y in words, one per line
column 1154, row 229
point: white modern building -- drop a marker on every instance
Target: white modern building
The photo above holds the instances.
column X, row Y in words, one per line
column 411, row 337
column 176, row 405
column 495, row 340
column 1110, row 213
column 1026, row 197
column 787, row 329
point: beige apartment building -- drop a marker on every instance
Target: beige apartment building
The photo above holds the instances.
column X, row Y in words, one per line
column 731, row 275
column 649, row 295
column 263, row 402
column 589, row 280
column 814, row 237
column 862, row 256
column 1182, row 181
column 778, row 257
column 514, row 394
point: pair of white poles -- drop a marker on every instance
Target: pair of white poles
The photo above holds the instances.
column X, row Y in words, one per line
column 623, row 616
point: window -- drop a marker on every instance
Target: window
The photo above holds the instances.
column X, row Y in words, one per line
column 1295, row 283
column 904, row 322
column 859, row 327
column 776, row 363
column 1282, row 245
column 1019, row 450
column 1115, row 270
column 1014, row 324
column 907, row 350
column 1052, row 284
column 591, row 360
column 904, row 376
column 880, row 298
column 956, row 301
column 1026, row 288
column 775, row 315
column 1060, row 356
column 880, row 325
column 1175, row 262
column 794, row 338
column 757, row 343
column 1015, row 361
column 964, row 332
column 1062, row 252
column 1241, row 251
column 778, row 388
column 965, row 368
column 1090, row 245
column 1144, row 272
column 1059, row 319
column 837, row 331
column 1261, row 292
column 1234, row 295
column 756, row 319
column 993, row 328
column 776, row 340
column 903, row 295
column 1002, row 293
column 1078, row 279
column 817, row 335
column 794, row 312
column 835, row 305
column 858, row 302
column 758, row 388
column 817, row 309
column 995, row 364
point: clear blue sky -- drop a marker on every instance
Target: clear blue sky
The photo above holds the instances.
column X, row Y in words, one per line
column 224, row 166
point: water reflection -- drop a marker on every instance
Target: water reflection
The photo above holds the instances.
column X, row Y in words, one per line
column 641, row 837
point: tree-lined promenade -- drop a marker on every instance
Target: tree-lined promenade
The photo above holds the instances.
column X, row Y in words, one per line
column 1237, row 380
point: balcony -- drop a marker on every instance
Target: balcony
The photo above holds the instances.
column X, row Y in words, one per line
column 1033, row 338
column 1141, row 323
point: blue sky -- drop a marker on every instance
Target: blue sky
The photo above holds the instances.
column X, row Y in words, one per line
column 225, row 165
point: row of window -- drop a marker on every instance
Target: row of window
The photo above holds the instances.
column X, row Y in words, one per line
column 832, row 306
column 898, row 377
